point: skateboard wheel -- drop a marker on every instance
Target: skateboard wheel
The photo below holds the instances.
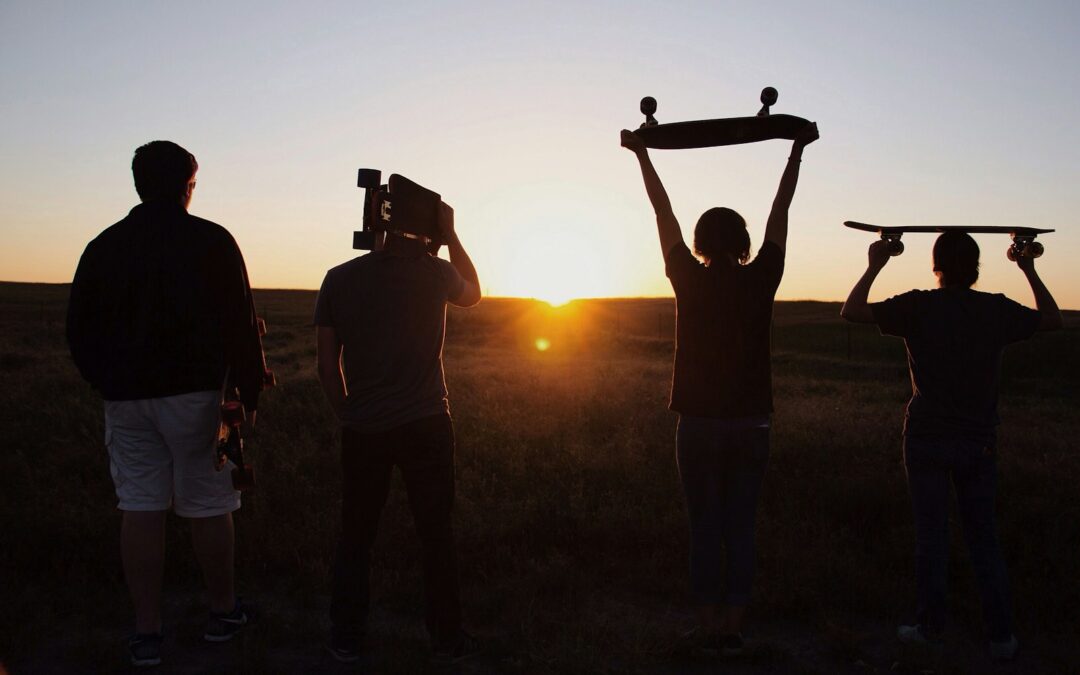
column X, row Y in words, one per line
column 769, row 96
column 1034, row 249
column 896, row 247
column 648, row 106
column 368, row 179
column 1010, row 253
column 232, row 413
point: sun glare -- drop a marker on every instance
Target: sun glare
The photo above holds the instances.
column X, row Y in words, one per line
column 543, row 344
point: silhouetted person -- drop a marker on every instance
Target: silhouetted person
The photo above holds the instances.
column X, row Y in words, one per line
column 722, row 385
column 160, row 312
column 383, row 316
column 954, row 337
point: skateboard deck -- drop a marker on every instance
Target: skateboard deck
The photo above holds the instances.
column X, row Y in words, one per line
column 718, row 132
column 401, row 207
column 230, row 445
column 1024, row 243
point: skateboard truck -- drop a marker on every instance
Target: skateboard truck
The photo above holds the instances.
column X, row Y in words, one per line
column 1024, row 246
column 399, row 207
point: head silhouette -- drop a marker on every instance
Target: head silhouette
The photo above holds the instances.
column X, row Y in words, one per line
column 720, row 233
column 164, row 171
column 956, row 260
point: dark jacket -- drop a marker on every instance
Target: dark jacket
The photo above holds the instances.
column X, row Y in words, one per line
column 161, row 305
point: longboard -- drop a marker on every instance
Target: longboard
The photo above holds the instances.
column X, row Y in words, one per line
column 717, row 132
column 1023, row 238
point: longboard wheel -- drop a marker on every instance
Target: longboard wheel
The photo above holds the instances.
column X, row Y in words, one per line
column 1010, row 252
column 1034, row 249
column 648, row 106
column 769, row 96
column 368, row 179
column 896, row 247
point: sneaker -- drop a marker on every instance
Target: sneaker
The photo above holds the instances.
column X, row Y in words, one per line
column 144, row 649
column 1004, row 651
column 466, row 647
column 343, row 648
column 914, row 635
column 222, row 627
column 731, row 644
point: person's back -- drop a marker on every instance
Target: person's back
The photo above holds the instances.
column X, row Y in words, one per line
column 722, row 347
column 954, row 337
column 389, row 314
column 164, row 294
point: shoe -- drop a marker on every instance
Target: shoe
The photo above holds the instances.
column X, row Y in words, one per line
column 1004, row 651
column 222, row 627
column 344, row 649
column 914, row 635
column 467, row 647
column 144, row 649
column 731, row 645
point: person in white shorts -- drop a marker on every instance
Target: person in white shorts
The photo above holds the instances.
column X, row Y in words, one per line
column 161, row 321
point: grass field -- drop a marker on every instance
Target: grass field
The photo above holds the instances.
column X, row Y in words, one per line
column 570, row 519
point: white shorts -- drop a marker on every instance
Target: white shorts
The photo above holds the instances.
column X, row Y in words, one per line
column 162, row 452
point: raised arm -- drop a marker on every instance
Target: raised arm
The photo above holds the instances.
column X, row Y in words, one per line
column 666, row 224
column 459, row 259
column 1044, row 302
column 856, row 309
column 777, row 227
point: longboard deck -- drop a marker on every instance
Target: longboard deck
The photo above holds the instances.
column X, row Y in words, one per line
column 713, row 133
column 974, row 229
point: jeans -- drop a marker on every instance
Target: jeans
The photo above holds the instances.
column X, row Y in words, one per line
column 424, row 452
column 722, row 465
column 972, row 466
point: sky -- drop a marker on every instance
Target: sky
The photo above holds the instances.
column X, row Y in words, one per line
column 930, row 113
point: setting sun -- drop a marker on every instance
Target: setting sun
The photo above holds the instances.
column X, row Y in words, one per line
column 543, row 344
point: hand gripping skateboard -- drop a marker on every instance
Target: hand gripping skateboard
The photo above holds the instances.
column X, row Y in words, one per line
column 727, row 131
column 400, row 207
column 1023, row 238
column 230, row 446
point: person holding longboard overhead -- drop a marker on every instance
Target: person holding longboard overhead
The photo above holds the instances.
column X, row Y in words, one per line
column 722, row 385
column 954, row 337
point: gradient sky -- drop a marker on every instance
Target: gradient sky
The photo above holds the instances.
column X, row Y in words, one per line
column 930, row 113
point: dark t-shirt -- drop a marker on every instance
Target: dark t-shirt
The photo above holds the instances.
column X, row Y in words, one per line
column 722, row 337
column 954, row 339
column 161, row 305
column 389, row 311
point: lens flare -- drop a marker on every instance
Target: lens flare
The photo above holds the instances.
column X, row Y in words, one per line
column 543, row 344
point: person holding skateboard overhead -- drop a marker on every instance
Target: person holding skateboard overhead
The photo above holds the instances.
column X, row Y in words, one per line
column 383, row 316
column 722, row 387
column 160, row 316
column 954, row 337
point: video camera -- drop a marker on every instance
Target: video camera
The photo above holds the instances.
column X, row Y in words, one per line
column 399, row 207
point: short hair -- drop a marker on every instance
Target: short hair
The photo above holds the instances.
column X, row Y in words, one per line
column 956, row 259
column 162, row 169
column 722, row 231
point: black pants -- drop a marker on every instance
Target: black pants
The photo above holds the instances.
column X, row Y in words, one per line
column 424, row 451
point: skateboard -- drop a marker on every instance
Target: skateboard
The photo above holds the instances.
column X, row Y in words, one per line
column 1024, row 244
column 711, row 133
column 400, row 206
column 230, row 446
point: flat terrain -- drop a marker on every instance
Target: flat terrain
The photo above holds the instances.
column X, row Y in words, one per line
column 570, row 519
